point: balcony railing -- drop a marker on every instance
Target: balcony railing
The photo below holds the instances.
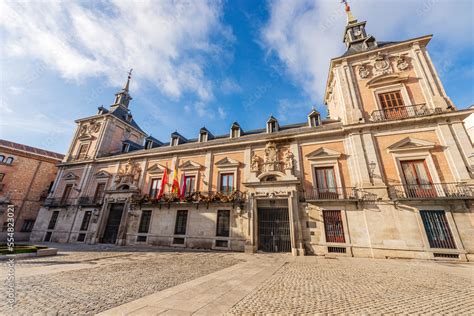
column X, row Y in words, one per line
column 90, row 200
column 336, row 193
column 402, row 112
column 57, row 202
column 196, row 197
column 78, row 157
column 430, row 191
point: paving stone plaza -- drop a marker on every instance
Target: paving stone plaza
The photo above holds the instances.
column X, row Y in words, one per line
column 93, row 279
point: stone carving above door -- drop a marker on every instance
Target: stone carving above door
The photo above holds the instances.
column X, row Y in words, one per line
column 272, row 165
column 128, row 175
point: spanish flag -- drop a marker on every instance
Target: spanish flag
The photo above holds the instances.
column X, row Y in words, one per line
column 164, row 182
column 175, row 186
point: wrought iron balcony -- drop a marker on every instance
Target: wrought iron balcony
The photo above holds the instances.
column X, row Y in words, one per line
column 456, row 190
column 336, row 193
column 57, row 202
column 78, row 157
column 90, row 200
column 402, row 112
column 196, row 197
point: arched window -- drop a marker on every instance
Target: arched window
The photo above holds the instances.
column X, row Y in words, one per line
column 9, row 160
column 2, row 158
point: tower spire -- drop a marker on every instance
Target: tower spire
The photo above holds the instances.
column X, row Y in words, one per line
column 350, row 17
column 123, row 97
column 127, row 85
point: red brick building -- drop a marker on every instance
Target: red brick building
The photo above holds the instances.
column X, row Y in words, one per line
column 26, row 174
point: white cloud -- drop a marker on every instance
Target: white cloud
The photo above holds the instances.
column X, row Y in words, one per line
column 229, row 86
column 164, row 41
column 290, row 110
column 222, row 113
column 306, row 34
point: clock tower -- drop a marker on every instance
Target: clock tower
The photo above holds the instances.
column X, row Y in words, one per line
column 355, row 37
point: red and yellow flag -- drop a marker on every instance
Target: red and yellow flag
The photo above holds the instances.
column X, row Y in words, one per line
column 175, row 186
column 164, row 182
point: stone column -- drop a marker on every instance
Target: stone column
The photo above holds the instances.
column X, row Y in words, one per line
column 358, row 165
column 452, row 153
column 250, row 243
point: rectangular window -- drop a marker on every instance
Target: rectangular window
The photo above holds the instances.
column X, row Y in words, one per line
column 227, row 183
column 155, row 187
column 145, row 222
column 325, row 183
column 437, row 229
column 27, row 225
column 81, row 237
column 181, row 220
column 417, row 179
column 47, row 237
column 82, row 152
column 66, row 193
column 86, row 220
column 190, row 184
column 235, row 132
column 125, row 147
column 2, row 175
column 392, row 105
column 223, row 223
column 333, row 226
column 99, row 193
column 53, row 220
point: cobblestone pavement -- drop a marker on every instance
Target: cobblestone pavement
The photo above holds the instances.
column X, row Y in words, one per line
column 368, row 286
column 104, row 279
column 91, row 279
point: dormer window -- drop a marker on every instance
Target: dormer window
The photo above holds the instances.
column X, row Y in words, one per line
column 128, row 117
column 272, row 125
column 125, row 147
column 203, row 137
column 314, row 118
column 174, row 141
column 235, row 130
column 149, row 144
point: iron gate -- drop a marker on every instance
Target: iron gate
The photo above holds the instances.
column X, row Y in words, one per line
column 437, row 229
column 113, row 224
column 274, row 230
column 333, row 226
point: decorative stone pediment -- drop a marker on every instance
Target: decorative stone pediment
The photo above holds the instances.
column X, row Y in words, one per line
column 227, row 163
column 156, row 168
column 386, row 79
column 103, row 174
column 323, row 154
column 411, row 144
column 87, row 129
column 70, row 176
column 190, row 165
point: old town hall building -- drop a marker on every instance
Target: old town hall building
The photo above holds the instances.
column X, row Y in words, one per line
column 389, row 173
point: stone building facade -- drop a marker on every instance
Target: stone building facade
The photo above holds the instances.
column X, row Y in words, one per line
column 26, row 174
column 389, row 173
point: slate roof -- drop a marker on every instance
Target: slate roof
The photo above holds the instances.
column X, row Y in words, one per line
column 133, row 146
column 29, row 149
column 121, row 113
column 353, row 50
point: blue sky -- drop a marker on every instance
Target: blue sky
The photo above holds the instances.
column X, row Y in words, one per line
column 199, row 63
